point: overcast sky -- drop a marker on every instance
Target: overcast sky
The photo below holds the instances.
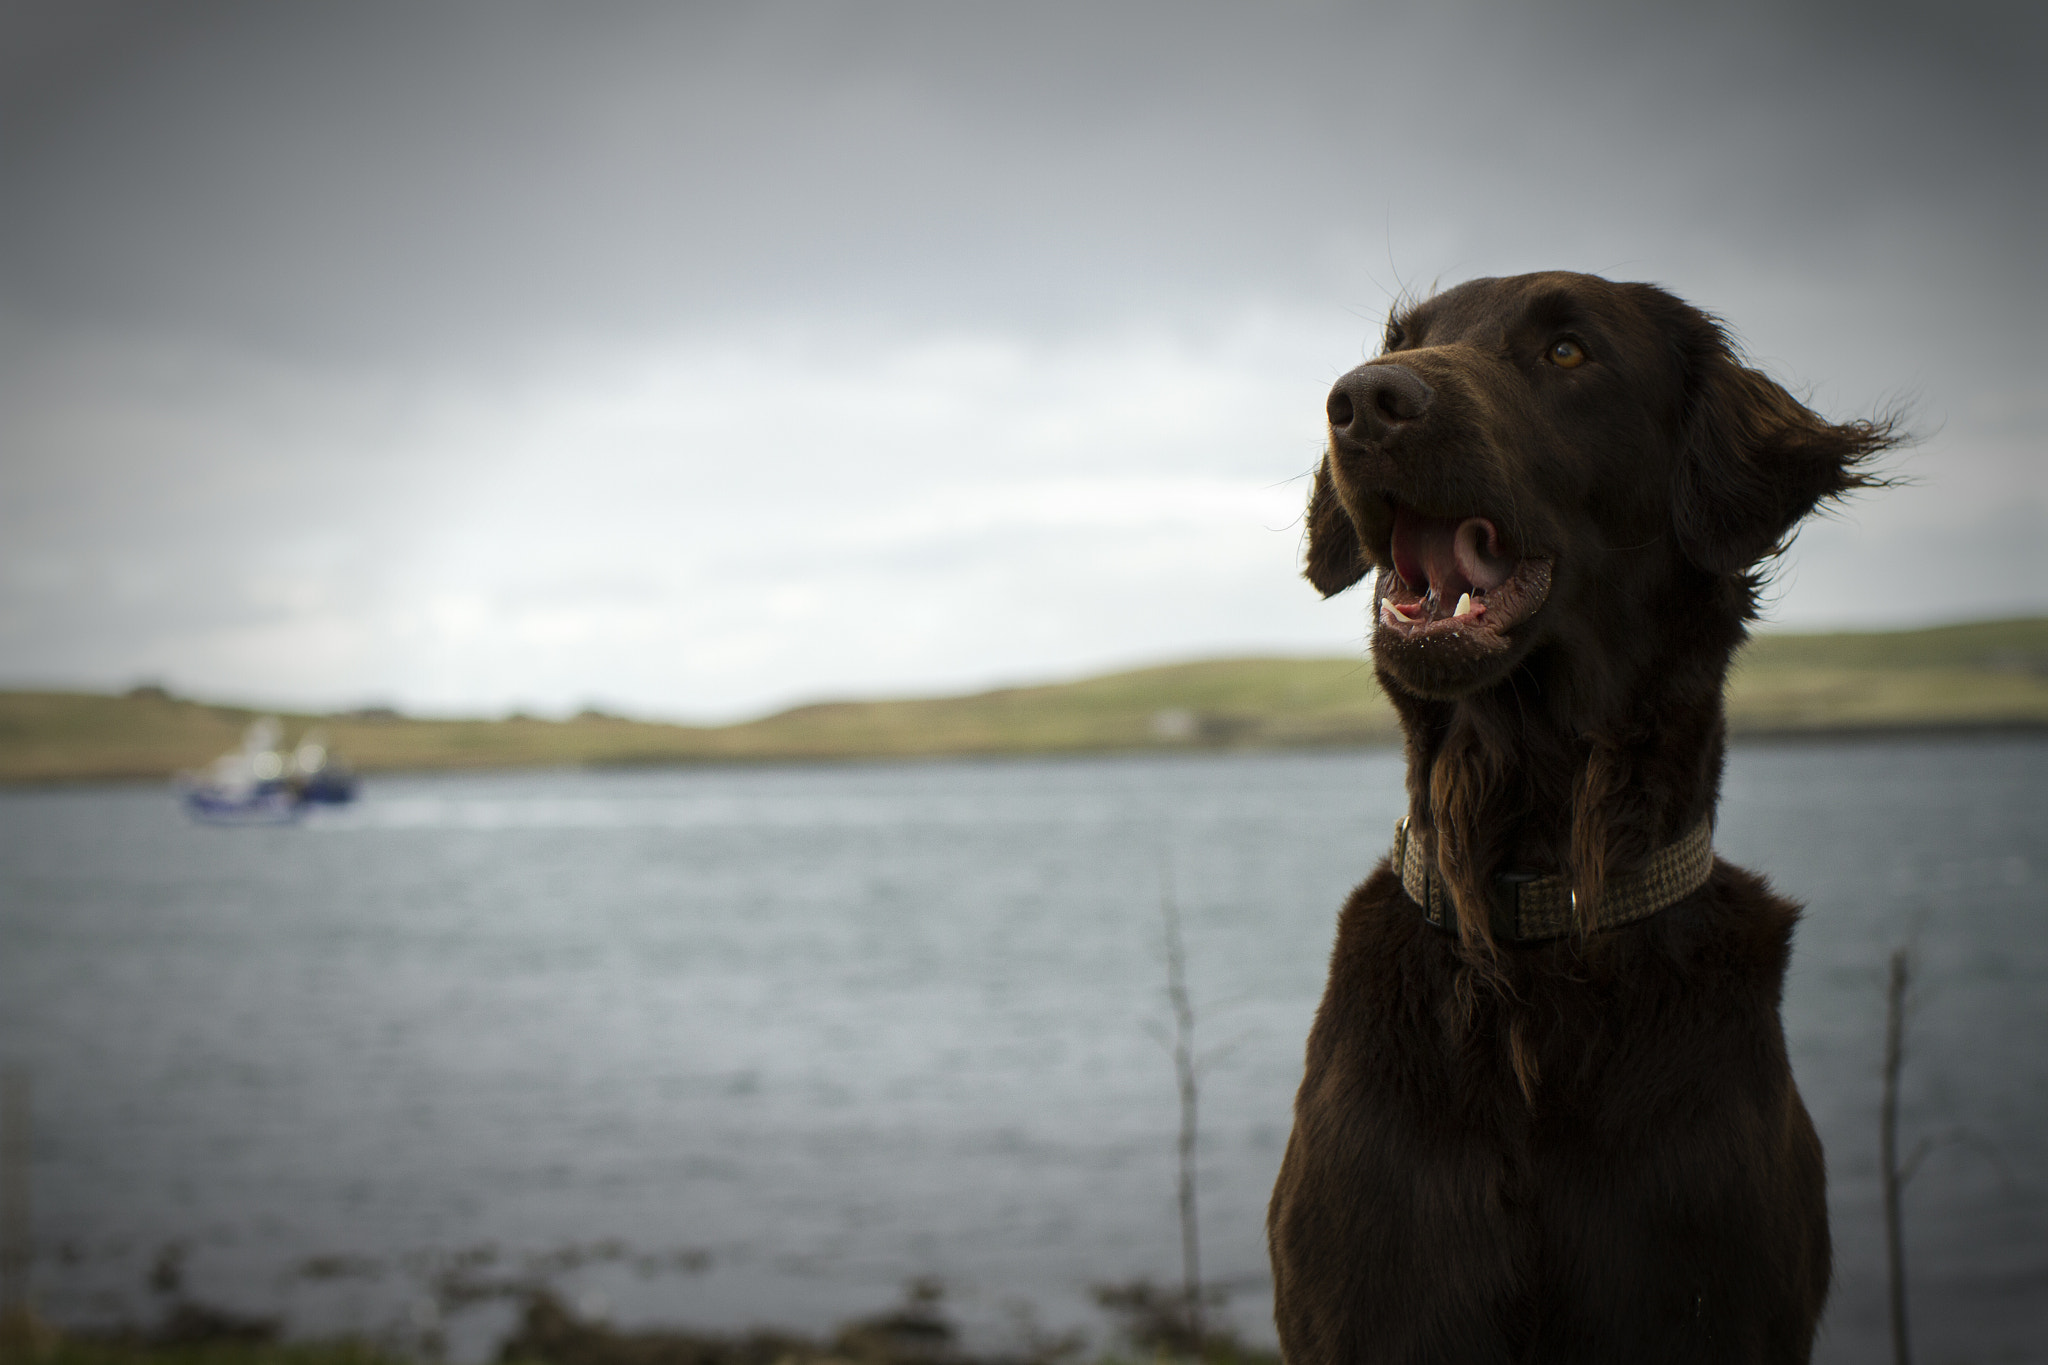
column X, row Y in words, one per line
column 695, row 361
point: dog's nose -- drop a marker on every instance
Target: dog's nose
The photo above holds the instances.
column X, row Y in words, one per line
column 1373, row 400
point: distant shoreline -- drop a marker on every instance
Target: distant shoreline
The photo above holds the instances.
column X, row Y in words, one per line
column 1863, row 734
column 1984, row 678
column 1737, row 739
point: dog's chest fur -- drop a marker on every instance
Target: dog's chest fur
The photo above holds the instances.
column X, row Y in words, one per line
column 1659, row 1190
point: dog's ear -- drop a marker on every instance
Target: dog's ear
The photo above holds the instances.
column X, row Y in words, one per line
column 1756, row 460
column 1335, row 560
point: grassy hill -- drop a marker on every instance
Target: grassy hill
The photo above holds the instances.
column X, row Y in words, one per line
column 1985, row 674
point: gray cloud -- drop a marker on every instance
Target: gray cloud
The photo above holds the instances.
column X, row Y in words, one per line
column 342, row 231
column 372, row 177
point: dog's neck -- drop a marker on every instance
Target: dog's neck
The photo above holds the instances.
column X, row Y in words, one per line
column 1601, row 747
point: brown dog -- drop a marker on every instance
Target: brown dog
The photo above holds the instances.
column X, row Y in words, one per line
column 1547, row 1114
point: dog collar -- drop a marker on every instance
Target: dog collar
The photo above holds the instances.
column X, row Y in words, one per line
column 1528, row 908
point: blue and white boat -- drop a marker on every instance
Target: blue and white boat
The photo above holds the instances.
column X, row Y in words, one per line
column 262, row 784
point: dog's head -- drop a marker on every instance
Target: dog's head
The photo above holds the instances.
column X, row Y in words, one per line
column 1537, row 458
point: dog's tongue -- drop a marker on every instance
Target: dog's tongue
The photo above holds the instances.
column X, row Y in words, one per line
column 1450, row 554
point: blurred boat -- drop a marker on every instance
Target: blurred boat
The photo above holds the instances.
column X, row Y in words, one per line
column 317, row 776
column 262, row 784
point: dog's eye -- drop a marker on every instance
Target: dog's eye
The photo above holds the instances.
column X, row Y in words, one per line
column 1567, row 354
column 1396, row 334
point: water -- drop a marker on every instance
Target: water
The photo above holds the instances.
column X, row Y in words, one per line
column 737, row 1046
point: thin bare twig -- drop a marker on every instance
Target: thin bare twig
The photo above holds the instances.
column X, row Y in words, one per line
column 1888, row 1152
column 1184, row 1072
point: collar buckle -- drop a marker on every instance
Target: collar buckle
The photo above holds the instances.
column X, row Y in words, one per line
column 1504, row 915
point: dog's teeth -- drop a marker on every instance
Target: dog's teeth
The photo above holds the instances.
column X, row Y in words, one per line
column 1464, row 604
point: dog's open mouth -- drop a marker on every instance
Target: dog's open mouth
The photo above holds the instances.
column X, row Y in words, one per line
column 1452, row 576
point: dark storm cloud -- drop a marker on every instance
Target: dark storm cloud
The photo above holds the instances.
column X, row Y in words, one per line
column 372, row 178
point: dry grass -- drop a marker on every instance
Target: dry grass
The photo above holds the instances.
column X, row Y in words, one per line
column 1987, row 674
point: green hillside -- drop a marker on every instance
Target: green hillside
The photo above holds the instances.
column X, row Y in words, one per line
column 1986, row 674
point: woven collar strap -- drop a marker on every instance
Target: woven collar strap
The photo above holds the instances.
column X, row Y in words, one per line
column 1528, row 908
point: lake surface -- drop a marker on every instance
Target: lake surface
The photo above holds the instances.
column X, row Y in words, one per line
column 734, row 1046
